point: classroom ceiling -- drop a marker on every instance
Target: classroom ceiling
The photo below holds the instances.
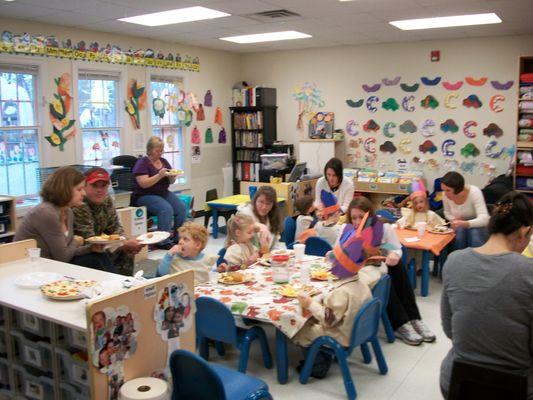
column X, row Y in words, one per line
column 330, row 22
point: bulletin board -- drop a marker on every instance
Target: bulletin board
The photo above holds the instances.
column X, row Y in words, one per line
column 132, row 334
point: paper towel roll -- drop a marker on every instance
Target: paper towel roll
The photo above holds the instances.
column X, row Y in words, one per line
column 144, row 389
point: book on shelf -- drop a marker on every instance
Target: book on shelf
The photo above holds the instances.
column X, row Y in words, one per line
column 247, row 171
column 248, row 120
column 254, row 96
column 248, row 139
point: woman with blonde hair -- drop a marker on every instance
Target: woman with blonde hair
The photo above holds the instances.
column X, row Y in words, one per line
column 152, row 179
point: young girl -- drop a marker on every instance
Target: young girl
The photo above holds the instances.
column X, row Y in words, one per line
column 240, row 248
column 420, row 211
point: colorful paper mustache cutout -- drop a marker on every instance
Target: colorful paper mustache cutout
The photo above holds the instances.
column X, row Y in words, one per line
column 427, row 147
column 406, row 103
column 470, row 150
column 472, row 101
column 388, row 147
column 495, row 101
column 427, row 128
column 391, row 82
column 502, row 86
column 430, row 82
column 489, row 152
column 355, row 103
column 370, row 103
column 429, row 102
column 371, row 126
column 371, row 88
column 352, row 128
column 390, row 104
column 448, row 100
column 449, row 126
column 466, row 129
column 450, row 165
column 369, row 145
column 509, row 152
column 387, row 129
column 404, row 149
column 408, row 127
column 486, row 168
column 409, row 88
column 476, row 82
column 432, row 163
column 452, row 86
column 468, row 167
column 493, row 129
column 445, row 148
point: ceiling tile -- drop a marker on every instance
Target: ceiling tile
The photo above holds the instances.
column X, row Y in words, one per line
column 24, row 11
column 69, row 18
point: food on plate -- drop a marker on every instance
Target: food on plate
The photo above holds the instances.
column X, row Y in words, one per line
column 66, row 288
column 104, row 238
column 440, row 228
column 292, row 290
column 149, row 235
column 232, row 277
column 321, row 274
column 175, row 172
column 114, row 236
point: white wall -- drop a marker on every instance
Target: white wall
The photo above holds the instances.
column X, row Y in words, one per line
column 339, row 73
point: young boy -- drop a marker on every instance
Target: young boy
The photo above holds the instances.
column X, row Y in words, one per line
column 187, row 254
column 328, row 228
column 304, row 219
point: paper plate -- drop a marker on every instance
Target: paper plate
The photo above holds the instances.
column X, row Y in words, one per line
column 153, row 237
column 223, row 279
column 66, row 289
column 450, row 230
column 35, row 280
column 100, row 240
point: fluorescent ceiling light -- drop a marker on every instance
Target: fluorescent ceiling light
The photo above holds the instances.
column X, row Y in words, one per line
column 267, row 37
column 444, row 22
column 175, row 16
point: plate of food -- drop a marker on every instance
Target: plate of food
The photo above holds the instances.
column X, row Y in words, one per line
column 233, row 278
column 105, row 239
column 441, row 230
column 66, row 289
column 35, row 280
column 153, row 237
column 322, row 274
column 292, row 290
column 175, row 172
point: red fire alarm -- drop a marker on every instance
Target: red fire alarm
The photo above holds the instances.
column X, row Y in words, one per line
column 435, row 55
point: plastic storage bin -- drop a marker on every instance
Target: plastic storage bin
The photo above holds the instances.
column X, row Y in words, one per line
column 37, row 354
column 73, row 370
column 4, row 224
column 31, row 323
column 32, row 384
column 76, row 339
column 71, row 392
column 4, row 374
column 274, row 161
column 4, row 208
column 3, row 341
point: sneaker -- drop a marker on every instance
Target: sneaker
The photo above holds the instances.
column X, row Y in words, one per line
column 320, row 367
column 421, row 328
column 407, row 333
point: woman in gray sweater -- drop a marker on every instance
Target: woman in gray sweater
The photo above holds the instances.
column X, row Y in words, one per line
column 486, row 305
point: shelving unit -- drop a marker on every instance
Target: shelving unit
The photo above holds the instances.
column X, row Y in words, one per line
column 523, row 171
column 8, row 218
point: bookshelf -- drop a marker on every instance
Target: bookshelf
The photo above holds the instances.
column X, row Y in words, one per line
column 253, row 131
column 523, row 171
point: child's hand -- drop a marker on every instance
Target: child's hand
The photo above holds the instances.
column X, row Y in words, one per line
column 392, row 259
column 253, row 258
column 223, row 267
column 174, row 250
column 305, row 300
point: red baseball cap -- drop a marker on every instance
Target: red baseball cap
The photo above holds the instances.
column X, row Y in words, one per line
column 97, row 174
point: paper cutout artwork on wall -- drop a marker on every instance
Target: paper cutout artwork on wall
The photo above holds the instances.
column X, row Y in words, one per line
column 470, row 150
column 188, row 116
column 472, row 101
column 387, row 129
column 495, row 101
column 208, row 99
column 196, row 155
column 387, row 147
column 208, row 135
column 487, row 169
column 371, row 88
column 136, row 101
column 430, row 82
column 406, row 103
column 502, row 86
column 408, row 127
column 200, row 113
column 355, row 103
column 370, row 103
column 466, row 129
column 427, row 147
column 409, row 88
column 429, row 102
column 450, row 165
column 371, row 126
column 173, row 101
column 449, row 126
column 309, row 98
column 354, row 143
column 195, row 136
column 391, row 82
column 493, row 129
column 218, row 116
column 509, row 151
column 159, row 107
column 452, row 86
column 369, row 145
column 404, row 149
column 448, row 100
column 63, row 128
column 468, row 166
column 427, row 128
column 321, row 125
column 432, row 163
column 222, row 136
column 489, row 149
column 445, row 148
column 476, row 82
column 352, row 128
column 390, row 104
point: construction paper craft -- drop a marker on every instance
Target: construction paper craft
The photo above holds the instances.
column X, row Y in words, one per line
column 509, row 151
column 502, row 86
column 432, row 163
column 195, row 136
column 427, row 128
column 208, row 99
column 63, row 127
column 448, row 100
column 390, row 104
column 391, row 82
column 470, row 150
column 495, row 101
column 218, row 116
column 427, row 147
column 493, row 129
column 430, row 82
column 489, row 152
column 370, row 103
column 309, row 97
column 476, row 82
column 208, row 135
column 386, row 129
column 449, row 126
column 468, row 166
column 352, row 128
column 188, row 117
column 200, row 113
column 371, row 88
column 368, row 145
column 472, row 101
column 417, row 160
column 387, row 147
column 408, row 127
column 445, row 148
column 452, row 86
column 173, row 102
column 191, row 101
column 136, row 101
column 371, row 125
column 429, row 102
column 403, row 146
column 405, row 103
column 158, row 105
column 222, row 136
column 354, row 143
column 488, row 169
column 450, row 165
column 355, row 104
column 409, row 88
column 370, row 159
column 466, row 129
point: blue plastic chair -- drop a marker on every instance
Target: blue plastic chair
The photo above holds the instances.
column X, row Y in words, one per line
column 188, row 199
column 386, row 214
column 289, row 230
column 364, row 331
column 214, row 321
column 316, row 246
column 381, row 291
column 194, row 378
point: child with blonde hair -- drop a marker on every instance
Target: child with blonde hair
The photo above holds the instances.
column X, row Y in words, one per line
column 242, row 245
column 419, row 211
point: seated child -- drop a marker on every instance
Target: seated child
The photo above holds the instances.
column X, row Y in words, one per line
column 328, row 227
column 420, row 211
column 242, row 245
column 304, row 220
column 187, row 254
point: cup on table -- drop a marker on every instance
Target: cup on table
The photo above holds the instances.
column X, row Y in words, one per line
column 252, row 190
column 402, row 223
column 421, row 228
column 34, row 253
column 299, row 251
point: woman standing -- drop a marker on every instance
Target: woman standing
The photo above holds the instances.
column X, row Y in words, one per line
column 487, row 295
column 152, row 180
column 333, row 182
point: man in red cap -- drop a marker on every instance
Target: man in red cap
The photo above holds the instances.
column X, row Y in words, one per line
column 98, row 215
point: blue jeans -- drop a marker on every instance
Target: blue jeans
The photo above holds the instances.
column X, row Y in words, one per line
column 470, row 237
column 169, row 210
column 100, row 261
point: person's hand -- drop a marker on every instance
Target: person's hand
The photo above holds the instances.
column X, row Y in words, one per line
column 78, row 240
column 253, row 258
column 328, row 255
column 97, row 248
column 305, row 300
column 132, row 246
column 459, row 223
column 175, row 249
column 223, row 267
column 163, row 172
column 392, row 259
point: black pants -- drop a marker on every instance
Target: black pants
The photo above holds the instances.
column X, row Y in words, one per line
column 99, row 261
column 402, row 306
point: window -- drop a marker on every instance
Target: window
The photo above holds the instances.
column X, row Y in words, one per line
column 19, row 131
column 99, row 115
column 166, row 123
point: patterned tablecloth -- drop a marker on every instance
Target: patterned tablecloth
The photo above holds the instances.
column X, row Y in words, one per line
column 259, row 298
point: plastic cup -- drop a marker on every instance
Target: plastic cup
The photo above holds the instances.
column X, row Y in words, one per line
column 402, row 223
column 34, row 253
column 213, row 277
column 252, row 190
column 421, row 228
column 299, row 251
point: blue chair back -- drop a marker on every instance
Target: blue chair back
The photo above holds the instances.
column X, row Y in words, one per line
column 366, row 323
column 289, row 230
column 387, row 215
column 221, row 254
column 194, row 378
column 215, row 321
column 188, row 199
column 316, row 246
column 381, row 290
